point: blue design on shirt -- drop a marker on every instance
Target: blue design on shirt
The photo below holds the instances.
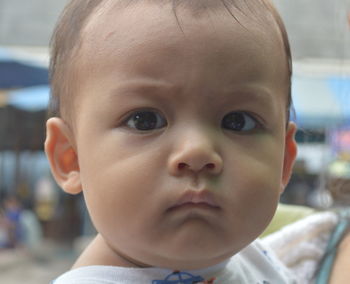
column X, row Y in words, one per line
column 267, row 255
column 179, row 278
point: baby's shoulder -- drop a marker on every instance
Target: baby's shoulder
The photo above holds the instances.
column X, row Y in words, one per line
column 300, row 246
column 88, row 275
column 257, row 263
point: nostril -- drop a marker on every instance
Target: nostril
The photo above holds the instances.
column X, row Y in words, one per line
column 210, row 166
column 182, row 166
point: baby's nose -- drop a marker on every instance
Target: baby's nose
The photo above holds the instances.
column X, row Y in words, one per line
column 195, row 156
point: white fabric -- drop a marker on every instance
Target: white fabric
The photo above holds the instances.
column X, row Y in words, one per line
column 301, row 245
column 253, row 265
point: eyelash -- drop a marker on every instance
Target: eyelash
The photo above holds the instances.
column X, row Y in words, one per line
column 146, row 120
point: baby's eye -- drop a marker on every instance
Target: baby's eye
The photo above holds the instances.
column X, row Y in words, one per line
column 146, row 120
column 238, row 121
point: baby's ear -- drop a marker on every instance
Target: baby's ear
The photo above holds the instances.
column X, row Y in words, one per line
column 290, row 154
column 61, row 153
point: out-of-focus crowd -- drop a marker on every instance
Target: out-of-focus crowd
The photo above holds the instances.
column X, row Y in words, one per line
column 19, row 227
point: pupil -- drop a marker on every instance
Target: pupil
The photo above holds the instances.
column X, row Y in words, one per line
column 234, row 121
column 145, row 120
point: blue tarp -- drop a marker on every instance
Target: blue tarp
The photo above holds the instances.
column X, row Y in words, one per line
column 18, row 75
column 30, row 99
column 15, row 73
column 27, row 79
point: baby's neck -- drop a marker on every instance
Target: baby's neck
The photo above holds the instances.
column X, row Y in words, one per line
column 98, row 252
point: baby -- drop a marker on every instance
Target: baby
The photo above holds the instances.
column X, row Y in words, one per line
column 172, row 117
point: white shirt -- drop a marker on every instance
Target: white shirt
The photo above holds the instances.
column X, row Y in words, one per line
column 301, row 245
column 253, row 265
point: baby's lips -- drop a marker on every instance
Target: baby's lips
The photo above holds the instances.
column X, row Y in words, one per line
column 202, row 196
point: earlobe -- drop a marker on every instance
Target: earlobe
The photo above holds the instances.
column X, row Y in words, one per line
column 62, row 156
column 290, row 154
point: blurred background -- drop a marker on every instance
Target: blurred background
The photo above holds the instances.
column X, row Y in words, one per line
column 42, row 230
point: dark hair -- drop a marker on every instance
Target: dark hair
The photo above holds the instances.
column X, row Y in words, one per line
column 66, row 42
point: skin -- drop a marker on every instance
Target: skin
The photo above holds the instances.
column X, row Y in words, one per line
column 135, row 182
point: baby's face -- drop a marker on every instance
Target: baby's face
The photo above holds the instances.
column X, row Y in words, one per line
column 180, row 135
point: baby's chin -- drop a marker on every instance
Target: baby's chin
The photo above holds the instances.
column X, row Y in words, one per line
column 186, row 250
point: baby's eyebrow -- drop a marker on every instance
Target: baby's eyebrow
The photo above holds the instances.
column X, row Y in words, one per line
column 264, row 97
column 149, row 87
column 256, row 93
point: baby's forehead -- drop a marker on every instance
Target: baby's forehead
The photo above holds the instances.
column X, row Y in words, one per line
column 248, row 13
column 153, row 29
column 142, row 40
column 142, row 20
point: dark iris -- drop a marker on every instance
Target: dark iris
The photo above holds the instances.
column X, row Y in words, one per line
column 237, row 121
column 146, row 120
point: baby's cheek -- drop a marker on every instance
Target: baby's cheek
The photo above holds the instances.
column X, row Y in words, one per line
column 116, row 198
column 254, row 195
